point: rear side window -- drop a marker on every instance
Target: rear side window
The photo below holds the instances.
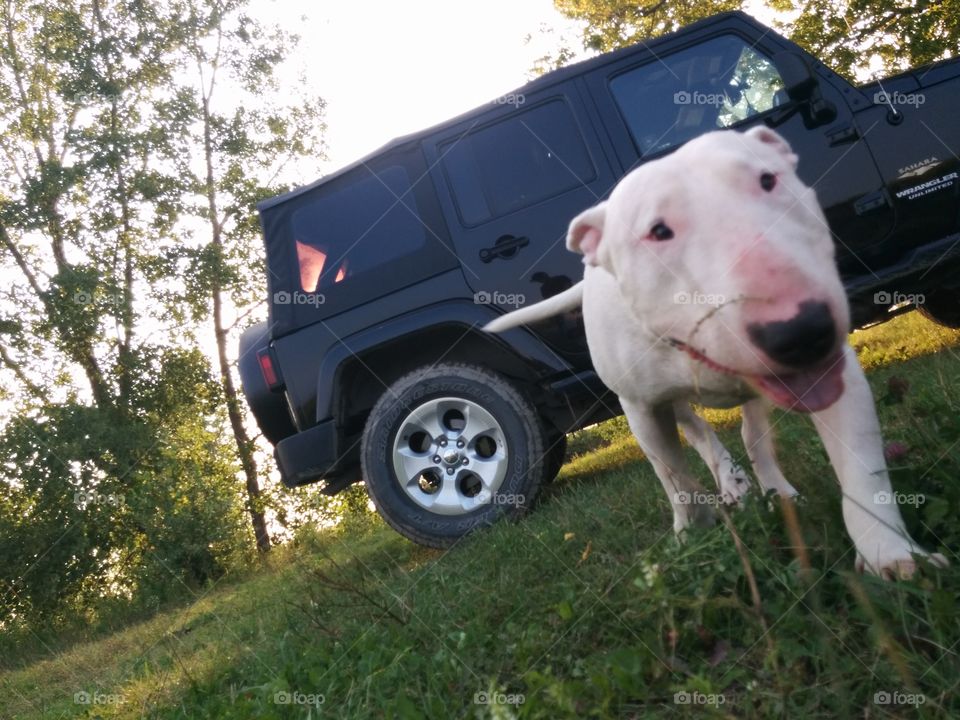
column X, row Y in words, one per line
column 528, row 157
column 356, row 227
column 712, row 85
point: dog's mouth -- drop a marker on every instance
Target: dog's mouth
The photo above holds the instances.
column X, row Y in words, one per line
column 809, row 390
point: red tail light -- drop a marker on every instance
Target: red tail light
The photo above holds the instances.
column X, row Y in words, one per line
column 266, row 367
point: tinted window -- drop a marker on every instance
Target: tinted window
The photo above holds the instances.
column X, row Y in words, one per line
column 531, row 156
column 356, row 227
column 713, row 85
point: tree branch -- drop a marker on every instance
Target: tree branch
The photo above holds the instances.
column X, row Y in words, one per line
column 21, row 261
column 17, row 369
column 16, row 66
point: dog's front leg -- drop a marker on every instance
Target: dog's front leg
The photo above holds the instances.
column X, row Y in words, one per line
column 656, row 431
column 732, row 480
column 850, row 431
column 757, row 434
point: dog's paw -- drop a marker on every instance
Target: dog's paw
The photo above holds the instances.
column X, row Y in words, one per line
column 899, row 566
column 703, row 516
column 733, row 480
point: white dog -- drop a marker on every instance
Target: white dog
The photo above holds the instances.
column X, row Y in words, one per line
column 710, row 277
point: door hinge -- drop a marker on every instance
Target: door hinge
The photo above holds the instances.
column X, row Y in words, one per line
column 843, row 135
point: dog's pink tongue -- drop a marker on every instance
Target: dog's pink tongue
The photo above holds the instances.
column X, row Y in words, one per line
column 807, row 390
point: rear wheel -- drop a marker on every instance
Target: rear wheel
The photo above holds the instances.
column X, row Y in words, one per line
column 449, row 449
column 943, row 307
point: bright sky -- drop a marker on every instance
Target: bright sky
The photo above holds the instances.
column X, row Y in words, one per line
column 387, row 68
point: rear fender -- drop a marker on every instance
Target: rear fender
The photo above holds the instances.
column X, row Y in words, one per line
column 269, row 408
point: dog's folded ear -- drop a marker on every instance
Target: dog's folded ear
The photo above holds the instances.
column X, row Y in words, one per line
column 585, row 232
column 774, row 140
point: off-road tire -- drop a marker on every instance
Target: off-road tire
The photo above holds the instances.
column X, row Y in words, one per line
column 523, row 466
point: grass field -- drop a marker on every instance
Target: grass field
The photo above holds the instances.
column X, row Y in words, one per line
column 589, row 608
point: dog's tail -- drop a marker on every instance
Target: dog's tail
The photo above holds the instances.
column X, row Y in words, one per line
column 569, row 299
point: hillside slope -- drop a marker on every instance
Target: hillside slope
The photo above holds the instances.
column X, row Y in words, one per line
column 588, row 608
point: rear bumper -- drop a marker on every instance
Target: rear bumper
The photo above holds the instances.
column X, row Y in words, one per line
column 918, row 271
column 311, row 455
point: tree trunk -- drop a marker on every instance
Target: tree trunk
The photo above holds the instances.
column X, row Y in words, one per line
column 244, row 446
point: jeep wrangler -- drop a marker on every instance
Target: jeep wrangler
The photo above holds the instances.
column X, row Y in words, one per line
column 380, row 275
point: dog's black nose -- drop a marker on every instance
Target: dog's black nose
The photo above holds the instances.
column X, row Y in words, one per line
column 803, row 340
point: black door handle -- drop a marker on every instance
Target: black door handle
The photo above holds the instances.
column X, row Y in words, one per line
column 870, row 202
column 506, row 246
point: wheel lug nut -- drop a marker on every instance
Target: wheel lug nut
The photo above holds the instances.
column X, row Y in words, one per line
column 443, row 442
column 449, row 471
column 436, row 459
column 460, row 443
column 466, row 462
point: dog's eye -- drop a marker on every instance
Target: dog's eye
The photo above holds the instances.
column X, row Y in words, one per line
column 661, row 231
column 768, row 181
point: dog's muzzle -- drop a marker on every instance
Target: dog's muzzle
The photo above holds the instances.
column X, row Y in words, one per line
column 803, row 341
column 805, row 350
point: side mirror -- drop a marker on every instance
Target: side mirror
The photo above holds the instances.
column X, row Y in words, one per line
column 803, row 88
column 799, row 82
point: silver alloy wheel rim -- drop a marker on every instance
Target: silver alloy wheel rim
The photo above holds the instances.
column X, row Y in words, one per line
column 450, row 456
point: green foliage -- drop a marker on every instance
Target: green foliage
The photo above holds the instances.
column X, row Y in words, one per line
column 100, row 504
column 48, row 540
column 122, row 444
column 848, row 34
column 611, row 24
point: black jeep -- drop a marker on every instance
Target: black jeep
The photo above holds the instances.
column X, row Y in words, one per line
column 381, row 275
